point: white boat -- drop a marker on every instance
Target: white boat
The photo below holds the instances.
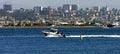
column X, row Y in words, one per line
column 53, row 33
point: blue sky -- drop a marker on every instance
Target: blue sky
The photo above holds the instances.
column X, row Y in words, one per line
column 55, row 3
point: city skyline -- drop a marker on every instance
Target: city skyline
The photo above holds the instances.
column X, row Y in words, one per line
column 56, row 3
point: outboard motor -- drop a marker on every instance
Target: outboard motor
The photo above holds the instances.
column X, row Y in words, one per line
column 45, row 34
column 63, row 35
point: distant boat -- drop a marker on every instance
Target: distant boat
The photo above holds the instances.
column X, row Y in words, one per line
column 53, row 33
column 108, row 26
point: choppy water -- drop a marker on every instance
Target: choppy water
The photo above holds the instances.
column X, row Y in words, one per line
column 32, row 41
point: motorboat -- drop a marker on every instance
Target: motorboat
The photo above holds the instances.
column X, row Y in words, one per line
column 108, row 26
column 53, row 33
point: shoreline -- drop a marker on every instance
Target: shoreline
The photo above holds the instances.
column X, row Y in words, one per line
column 57, row 27
column 50, row 27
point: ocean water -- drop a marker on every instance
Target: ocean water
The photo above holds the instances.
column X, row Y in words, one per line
column 32, row 41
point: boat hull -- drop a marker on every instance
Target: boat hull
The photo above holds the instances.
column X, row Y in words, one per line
column 51, row 36
column 54, row 35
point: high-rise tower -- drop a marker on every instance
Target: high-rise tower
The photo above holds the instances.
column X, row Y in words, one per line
column 74, row 7
column 67, row 7
column 7, row 7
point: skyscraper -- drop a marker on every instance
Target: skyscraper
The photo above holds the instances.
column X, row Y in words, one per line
column 38, row 9
column 7, row 7
column 67, row 7
column 74, row 7
column 70, row 7
column 96, row 8
column 106, row 8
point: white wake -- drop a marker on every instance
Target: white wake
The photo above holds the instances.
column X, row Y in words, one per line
column 75, row 36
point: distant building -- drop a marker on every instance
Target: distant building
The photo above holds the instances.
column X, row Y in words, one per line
column 7, row 7
column 47, row 11
column 70, row 7
column 67, row 7
column 22, row 9
column 106, row 8
column 38, row 9
column 96, row 8
column 59, row 8
column 74, row 7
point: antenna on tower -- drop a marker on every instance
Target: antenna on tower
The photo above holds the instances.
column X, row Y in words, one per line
column 104, row 3
column 7, row 6
column 6, row 1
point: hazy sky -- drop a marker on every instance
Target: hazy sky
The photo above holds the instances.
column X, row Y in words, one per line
column 55, row 3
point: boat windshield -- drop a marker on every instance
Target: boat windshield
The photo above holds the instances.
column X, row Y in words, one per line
column 53, row 30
